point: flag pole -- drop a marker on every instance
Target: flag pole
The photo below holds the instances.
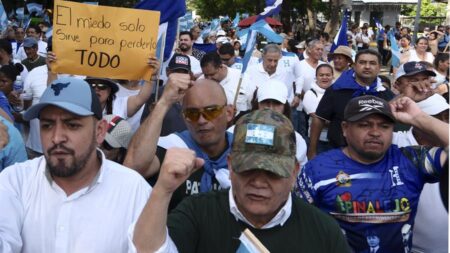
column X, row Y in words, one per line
column 161, row 60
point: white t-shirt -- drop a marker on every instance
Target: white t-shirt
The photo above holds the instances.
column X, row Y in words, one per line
column 256, row 76
column 306, row 80
column 38, row 216
column 414, row 57
column 310, row 102
column 290, row 63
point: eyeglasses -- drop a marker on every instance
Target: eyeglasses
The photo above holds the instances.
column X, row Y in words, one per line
column 209, row 112
column 100, row 86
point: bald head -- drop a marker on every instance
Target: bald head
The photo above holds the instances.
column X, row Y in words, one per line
column 205, row 88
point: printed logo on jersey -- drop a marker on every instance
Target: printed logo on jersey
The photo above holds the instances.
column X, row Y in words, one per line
column 395, row 176
column 343, row 179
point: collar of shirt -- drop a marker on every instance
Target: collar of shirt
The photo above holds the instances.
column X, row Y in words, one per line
column 97, row 179
column 279, row 219
column 262, row 70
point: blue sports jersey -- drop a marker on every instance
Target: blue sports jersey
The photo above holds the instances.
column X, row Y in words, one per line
column 374, row 204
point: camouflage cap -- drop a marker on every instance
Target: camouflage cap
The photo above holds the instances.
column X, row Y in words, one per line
column 264, row 139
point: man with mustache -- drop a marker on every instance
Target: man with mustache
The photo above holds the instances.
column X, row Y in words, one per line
column 371, row 184
column 71, row 199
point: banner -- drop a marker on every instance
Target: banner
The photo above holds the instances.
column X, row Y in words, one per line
column 102, row 41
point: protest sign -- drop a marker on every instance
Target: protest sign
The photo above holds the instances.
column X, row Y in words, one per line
column 103, row 41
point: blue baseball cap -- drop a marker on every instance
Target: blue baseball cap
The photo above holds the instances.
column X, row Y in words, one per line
column 71, row 94
column 30, row 42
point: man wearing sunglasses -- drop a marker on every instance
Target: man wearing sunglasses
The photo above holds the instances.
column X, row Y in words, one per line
column 71, row 199
column 206, row 114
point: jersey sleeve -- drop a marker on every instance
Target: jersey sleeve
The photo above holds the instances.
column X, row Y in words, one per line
column 427, row 160
column 304, row 187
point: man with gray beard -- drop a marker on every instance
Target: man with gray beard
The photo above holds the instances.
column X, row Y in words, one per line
column 71, row 199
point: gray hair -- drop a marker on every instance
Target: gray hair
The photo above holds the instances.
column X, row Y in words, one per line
column 313, row 43
column 271, row 48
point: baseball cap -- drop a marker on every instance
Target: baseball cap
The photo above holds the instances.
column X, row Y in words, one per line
column 433, row 105
column 363, row 106
column 343, row 50
column 265, row 140
column 301, row 45
column 412, row 68
column 118, row 134
column 68, row 93
column 180, row 61
column 223, row 40
column 113, row 85
column 273, row 89
column 30, row 42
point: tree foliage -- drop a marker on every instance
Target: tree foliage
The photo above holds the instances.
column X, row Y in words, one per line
column 428, row 9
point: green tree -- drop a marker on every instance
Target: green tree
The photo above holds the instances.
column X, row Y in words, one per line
column 428, row 9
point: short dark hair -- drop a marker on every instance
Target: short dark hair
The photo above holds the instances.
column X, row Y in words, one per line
column 440, row 57
column 226, row 48
column 211, row 58
column 6, row 45
column 368, row 51
column 12, row 70
column 324, row 65
column 186, row 33
column 36, row 28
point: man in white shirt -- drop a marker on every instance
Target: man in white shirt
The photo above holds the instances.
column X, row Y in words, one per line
column 214, row 69
column 72, row 199
column 35, row 32
column 264, row 71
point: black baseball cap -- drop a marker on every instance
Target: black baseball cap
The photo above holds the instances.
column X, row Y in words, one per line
column 180, row 61
column 363, row 106
column 412, row 68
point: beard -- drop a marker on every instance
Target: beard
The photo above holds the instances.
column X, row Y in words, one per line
column 73, row 164
column 184, row 47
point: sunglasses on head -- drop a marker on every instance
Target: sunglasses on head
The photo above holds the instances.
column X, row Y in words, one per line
column 209, row 112
column 100, row 86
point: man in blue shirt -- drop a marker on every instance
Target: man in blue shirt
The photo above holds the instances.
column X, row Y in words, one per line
column 370, row 184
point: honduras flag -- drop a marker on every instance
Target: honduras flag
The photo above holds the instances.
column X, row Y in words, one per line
column 263, row 28
column 3, row 17
column 170, row 12
column 249, row 46
column 341, row 37
column 395, row 62
column 273, row 8
column 34, row 7
column 20, row 13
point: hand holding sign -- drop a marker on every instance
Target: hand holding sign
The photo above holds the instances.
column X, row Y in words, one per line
column 104, row 41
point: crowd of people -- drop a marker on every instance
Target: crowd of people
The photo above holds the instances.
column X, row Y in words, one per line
column 312, row 150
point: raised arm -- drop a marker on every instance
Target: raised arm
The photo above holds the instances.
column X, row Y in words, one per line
column 407, row 111
column 142, row 148
column 150, row 230
column 135, row 102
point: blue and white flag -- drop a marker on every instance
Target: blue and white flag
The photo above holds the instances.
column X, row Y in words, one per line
column 249, row 46
column 273, row 7
column 236, row 20
column 379, row 27
column 213, row 27
column 3, row 17
column 263, row 28
column 249, row 243
column 395, row 50
column 170, row 12
column 341, row 37
column 34, row 8
column 186, row 22
column 162, row 31
column 20, row 13
column 49, row 32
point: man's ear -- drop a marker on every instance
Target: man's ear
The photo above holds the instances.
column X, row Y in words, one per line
column 344, row 126
column 230, row 112
column 101, row 128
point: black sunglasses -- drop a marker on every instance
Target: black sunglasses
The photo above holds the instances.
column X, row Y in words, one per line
column 100, row 86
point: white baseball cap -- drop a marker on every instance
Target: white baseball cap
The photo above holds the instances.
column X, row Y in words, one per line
column 118, row 134
column 273, row 89
column 433, row 105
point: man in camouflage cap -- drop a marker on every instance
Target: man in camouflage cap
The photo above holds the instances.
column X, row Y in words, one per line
column 262, row 171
